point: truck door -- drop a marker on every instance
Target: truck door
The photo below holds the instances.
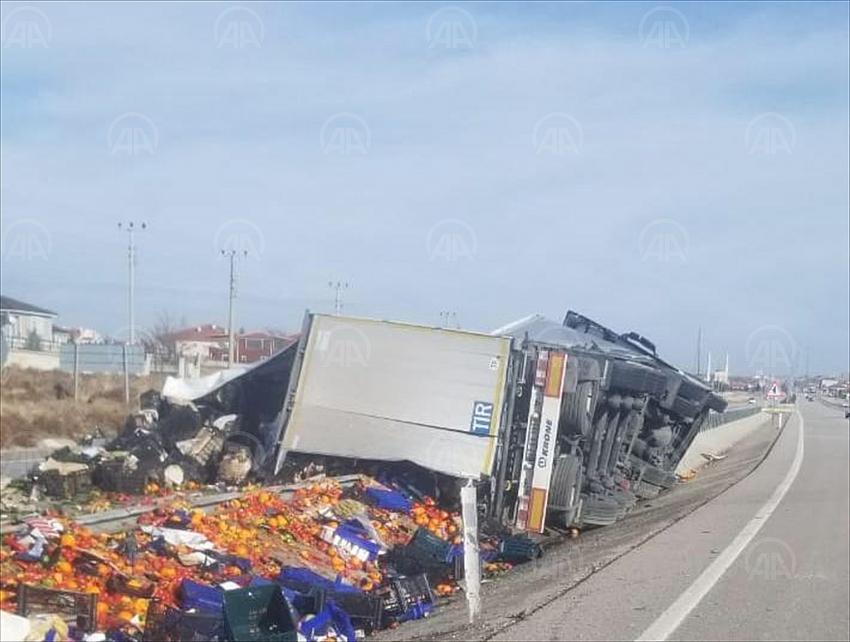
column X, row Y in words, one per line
column 540, row 440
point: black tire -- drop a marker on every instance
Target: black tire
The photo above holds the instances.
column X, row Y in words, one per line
column 658, row 477
column 645, row 490
column 599, row 511
column 636, row 377
column 717, row 403
column 626, row 501
column 686, row 408
column 565, row 489
column 578, row 408
column 693, row 391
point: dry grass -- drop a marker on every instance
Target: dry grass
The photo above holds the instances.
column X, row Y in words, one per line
column 37, row 404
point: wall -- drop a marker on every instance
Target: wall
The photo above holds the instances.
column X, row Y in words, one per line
column 33, row 359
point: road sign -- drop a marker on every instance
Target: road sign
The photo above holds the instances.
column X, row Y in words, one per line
column 775, row 392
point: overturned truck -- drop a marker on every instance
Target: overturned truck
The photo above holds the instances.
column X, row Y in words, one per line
column 561, row 423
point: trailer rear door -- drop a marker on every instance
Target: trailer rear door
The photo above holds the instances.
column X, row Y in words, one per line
column 393, row 391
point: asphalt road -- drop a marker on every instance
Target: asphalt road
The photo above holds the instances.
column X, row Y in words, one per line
column 757, row 547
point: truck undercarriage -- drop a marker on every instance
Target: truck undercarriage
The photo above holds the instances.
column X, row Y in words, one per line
column 626, row 419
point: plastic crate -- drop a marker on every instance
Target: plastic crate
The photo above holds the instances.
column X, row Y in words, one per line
column 430, row 550
column 364, row 610
column 519, row 548
column 66, row 486
column 111, row 476
column 407, row 598
column 79, row 609
column 167, row 624
column 194, row 595
column 258, row 614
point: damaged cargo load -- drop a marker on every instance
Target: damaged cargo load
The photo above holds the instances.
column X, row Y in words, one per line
column 566, row 423
column 561, row 423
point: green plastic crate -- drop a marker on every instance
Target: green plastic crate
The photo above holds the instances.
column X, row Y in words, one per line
column 258, row 614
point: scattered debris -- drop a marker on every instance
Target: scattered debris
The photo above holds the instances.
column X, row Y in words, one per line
column 338, row 557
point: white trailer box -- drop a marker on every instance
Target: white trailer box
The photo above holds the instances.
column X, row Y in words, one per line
column 394, row 391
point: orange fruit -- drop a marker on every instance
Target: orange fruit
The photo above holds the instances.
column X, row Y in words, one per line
column 67, row 540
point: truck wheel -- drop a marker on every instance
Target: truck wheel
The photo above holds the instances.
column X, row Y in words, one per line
column 599, row 511
column 578, row 408
column 686, row 407
column 658, row 477
column 717, row 403
column 565, row 489
column 636, row 377
column 625, row 501
column 645, row 490
column 693, row 391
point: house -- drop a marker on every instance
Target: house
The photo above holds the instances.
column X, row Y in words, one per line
column 208, row 344
column 255, row 346
column 203, row 342
column 27, row 326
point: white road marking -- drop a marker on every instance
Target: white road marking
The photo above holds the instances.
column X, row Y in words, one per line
column 669, row 621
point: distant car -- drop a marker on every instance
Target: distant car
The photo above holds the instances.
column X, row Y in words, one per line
column 751, row 400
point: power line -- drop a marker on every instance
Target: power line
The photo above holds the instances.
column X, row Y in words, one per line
column 338, row 287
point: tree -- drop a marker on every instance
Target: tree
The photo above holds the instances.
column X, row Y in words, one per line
column 161, row 337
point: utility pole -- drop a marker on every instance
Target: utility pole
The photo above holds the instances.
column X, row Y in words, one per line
column 448, row 318
column 338, row 287
column 231, row 344
column 130, row 228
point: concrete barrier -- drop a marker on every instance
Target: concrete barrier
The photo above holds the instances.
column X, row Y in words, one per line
column 720, row 439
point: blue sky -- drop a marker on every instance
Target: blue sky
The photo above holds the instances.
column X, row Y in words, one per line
column 657, row 166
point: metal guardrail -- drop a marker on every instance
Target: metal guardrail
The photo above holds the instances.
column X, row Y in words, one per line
column 717, row 419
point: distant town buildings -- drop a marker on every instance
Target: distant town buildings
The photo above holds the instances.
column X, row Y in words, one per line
column 207, row 344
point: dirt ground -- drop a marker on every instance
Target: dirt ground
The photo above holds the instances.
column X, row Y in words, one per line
column 36, row 404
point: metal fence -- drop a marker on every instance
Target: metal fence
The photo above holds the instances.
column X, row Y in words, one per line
column 93, row 357
column 16, row 462
column 717, row 419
